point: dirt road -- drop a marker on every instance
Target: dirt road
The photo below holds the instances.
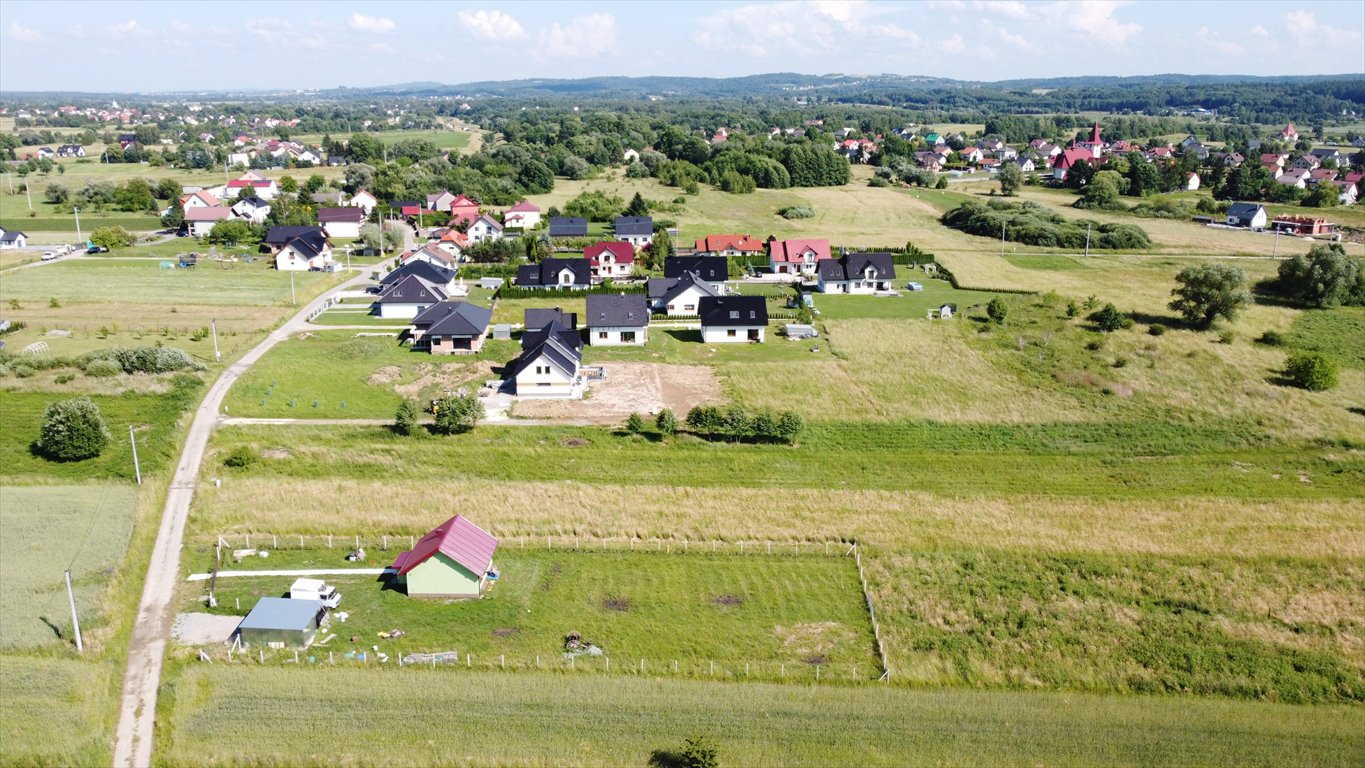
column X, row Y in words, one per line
column 137, row 709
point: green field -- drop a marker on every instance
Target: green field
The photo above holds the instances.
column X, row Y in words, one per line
column 736, row 609
column 142, row 281
column 239, row 715
column 46, row 528
column 1338, row 332
column 56, row 711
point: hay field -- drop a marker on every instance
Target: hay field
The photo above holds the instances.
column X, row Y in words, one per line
column 56, row 711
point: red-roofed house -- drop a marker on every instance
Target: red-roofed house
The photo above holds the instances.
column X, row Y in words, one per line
column 796, row 257
column 463, row 209
column 199, row 221
column 200, row 199
column 610, row 259
column 266, row 189
column 729, row 245
column 454, row 560
column 1067, row 159
column 1290, row 133
column 523, row 215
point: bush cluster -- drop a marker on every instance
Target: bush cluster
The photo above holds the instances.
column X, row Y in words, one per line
column 1031, row 224
column 737, row 424
column 1312, row 371
column 796, row 212
column 73, row 430
column 155, row 359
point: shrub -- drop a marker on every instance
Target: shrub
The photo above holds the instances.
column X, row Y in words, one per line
column 1271, row 339
column 457, row 414
column 1325, row 277
column 1227, row 337
column 789, row 426
column 103, row 368
column 1311, row 371
column 65, row 378
column 635, row 423
column 997, row 310
column 1109, row 319
column 698, row 752
column 705, row 419
column 1031, row 224
column 666, row 422
column 22, row 371
column 241, row 457
column 112, row 237
column 796, row 212
column 405, row 420
column 156, row 359
column 1208, row 292
column 1156, row 329
column 73, row 430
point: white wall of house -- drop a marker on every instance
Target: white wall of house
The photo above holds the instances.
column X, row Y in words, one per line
column 719, row 334
column 541, row 379
column 397, row 310
column 605, row 269
column 618, row 337
column 522, row 220
column 290, row 260
column 19, row 241
column 480, row 231
column 637, row 241
column 684, row 304
column 340, row 229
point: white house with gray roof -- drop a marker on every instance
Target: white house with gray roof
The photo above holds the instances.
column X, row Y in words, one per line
column 617, row 320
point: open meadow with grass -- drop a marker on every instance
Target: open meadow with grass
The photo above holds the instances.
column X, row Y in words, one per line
column 232, row 715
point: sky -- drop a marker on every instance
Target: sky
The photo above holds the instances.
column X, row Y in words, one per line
column 134, row 46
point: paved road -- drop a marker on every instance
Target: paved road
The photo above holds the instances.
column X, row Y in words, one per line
column 137, row 711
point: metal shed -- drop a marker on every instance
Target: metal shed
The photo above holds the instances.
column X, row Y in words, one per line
column 281, row 622
column 491, row 283
column 502, row 331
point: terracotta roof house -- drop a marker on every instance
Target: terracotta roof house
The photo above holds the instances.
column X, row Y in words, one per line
column 617, row 320
column 610, row 259
column 729, row 319
column 453, row 560
column 463, row 208
column 200, row 221
column 796, row 257
column 730, row 245
column 198, row 199
column 450, row 328
column 1290, row 133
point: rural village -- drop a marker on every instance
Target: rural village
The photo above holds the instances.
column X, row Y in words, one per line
column 561, row 404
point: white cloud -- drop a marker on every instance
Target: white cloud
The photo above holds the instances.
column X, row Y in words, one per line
column 797, row 27
column 362, row 23
column 381, row 48
column 1306, row 29
column 1010, row 9
column 24, row 34
column 1094, row 20
column 1259, row 31
column 181, row 28
column 493, row 26
column 952, row 44
column 1215, row 42
column 586, row 37
column 274, row 31
column 129, row 28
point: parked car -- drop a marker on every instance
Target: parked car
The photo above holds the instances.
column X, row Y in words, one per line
column 96, row 249
column 50, row 256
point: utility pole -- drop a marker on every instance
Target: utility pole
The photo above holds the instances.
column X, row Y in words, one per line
column 137, row 467
column 1276, row 253
column 293, row 298
column 28, row 191
column 76, row 210
column 1087, row 239
column 217, row 356
column 75, row 622
column 1002, row 239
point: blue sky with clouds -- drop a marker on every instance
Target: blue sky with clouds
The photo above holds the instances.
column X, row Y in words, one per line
column 151, row 46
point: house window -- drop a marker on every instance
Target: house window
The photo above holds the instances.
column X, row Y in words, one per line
column 628, row 337
column 601, row 334
column 730, row 332
column 689, row 307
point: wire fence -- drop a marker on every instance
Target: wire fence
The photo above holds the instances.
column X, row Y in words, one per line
column 253, row 543
column 367, row 656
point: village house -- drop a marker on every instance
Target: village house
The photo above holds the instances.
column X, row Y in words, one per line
column 1246, row 215
column 1305, row 226
column 796, row 257
column 484, row 228
column 567, row 274
column 552, row 353
column 440, row 201
column 71, row 150
column 608, row 259
column 453, row 242
column 199, row 221
column 251, row 209
column 679, row 296
column 636, row 230
column 568, row 226
column 258, row 184
column 463, row 209
column 299, row 248
column 1347, row 191
column 730, row 245
column 364, row 201
column 522, row 216
column 436, row 274
column 454, row 560
column 617, row 320
column 450, row 328
column 341, row 222
column 729, row 319
column 712, row 270
column 1294, row 177
column 198, row 199
column 12, row 238
column 856, row 273
column 1063, row 162
column 1290, row 133
column 408, row 297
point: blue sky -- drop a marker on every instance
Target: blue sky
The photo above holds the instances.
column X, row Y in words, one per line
column 142, row 46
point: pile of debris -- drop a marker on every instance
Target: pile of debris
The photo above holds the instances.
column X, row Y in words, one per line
column 575, row 645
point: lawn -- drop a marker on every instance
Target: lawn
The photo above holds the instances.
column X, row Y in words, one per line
column 737, row 609
column 45, row 529
column 1338, row 332
column 335, row 374
column 909, row 305
column 226, row 716
column 142, row 281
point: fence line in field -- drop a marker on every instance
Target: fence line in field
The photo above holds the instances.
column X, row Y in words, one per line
column 386, row 542
column 729, row 669
column 872, row 614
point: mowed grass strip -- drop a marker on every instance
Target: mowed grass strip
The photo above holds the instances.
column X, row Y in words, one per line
column 1279, row 630
column 230, row 716
column 662, row 607
column 56, row 711
column 907, row 519
column 578, row 454
column 1338, row 333
column 143, row 281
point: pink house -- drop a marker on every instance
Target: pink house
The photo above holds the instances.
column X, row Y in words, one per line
column 463, row 209
column 796, row 257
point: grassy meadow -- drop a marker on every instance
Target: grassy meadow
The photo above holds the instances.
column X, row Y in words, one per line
column 750, row 723
column 56, row 710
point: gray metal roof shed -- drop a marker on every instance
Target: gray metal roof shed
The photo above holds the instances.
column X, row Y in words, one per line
column 282, row 620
